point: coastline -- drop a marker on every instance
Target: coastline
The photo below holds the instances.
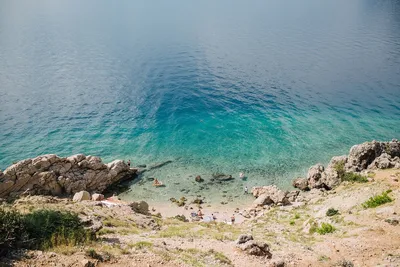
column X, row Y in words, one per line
column 345, row 212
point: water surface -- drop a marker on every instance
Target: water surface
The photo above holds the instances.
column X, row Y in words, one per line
column 263, row 87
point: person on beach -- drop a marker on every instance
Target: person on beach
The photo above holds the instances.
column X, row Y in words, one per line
column 156, row 182
column 214, row 217
column 246, row 190
column 233, row 219
column 129, row 162
column 200, row 214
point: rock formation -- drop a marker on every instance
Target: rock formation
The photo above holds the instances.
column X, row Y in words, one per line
column 271, row 194
column 251, row 247
column 53, row 175
column 369, row 155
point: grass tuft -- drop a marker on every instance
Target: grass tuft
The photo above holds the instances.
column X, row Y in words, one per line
column 354, row 177
column 325, row 228
column 378, row 200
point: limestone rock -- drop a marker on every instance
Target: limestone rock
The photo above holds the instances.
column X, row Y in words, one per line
column 270, row 195
column 381, row 162
column 251, row 247
column 97, row 197
column 300, row 183
column 53, row 175
column 81, row 196
column 243, row 239
column 262, row 200
column 316, row 176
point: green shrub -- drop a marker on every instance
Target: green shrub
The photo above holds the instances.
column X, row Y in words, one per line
column 331, row 212
column 378, row 200
column 12, row 231
column 40, row 229
column 354, row 177
column 325, row 228
column 339, row 168
column 52, row 228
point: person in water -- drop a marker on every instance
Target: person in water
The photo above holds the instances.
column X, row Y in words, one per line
column 246, row 190
column 129, row 162
column 241, row 175
column 156, row 182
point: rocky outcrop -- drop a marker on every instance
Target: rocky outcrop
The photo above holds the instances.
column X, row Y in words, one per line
column 271, row 194
column 361, row 156
column 369, row 155
column 53, row 175
column 251, row 247
column 300, row 183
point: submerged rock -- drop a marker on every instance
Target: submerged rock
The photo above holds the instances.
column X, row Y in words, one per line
column 220, row 177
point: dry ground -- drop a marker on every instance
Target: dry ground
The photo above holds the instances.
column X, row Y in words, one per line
column 362, row 236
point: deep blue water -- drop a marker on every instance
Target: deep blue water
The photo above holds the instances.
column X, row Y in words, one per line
column 267, row 87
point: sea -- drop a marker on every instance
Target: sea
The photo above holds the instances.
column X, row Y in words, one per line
column 263, row 87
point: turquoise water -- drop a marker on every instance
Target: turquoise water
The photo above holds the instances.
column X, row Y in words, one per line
column 267, row 88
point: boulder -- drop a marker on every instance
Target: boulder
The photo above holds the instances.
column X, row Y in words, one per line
column 381, row 162
column 251, row 247
column 262, row 200
column 243, row 239
column 301, row 183
column 140, row 207
column 81, row 196
column 97, row 197
column 271, row 194
column 316, row 176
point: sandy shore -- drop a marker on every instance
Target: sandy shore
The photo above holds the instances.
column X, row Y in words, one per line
column 223, row 213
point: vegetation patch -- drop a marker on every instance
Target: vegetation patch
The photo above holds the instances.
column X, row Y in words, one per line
column 348, row 176
column 378, row 200
column 141, row 245
column 41, row 229
column 331, row 212
column 325, row 228
column 354, row 177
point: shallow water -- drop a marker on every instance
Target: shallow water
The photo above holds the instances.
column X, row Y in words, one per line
column 264, row 87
